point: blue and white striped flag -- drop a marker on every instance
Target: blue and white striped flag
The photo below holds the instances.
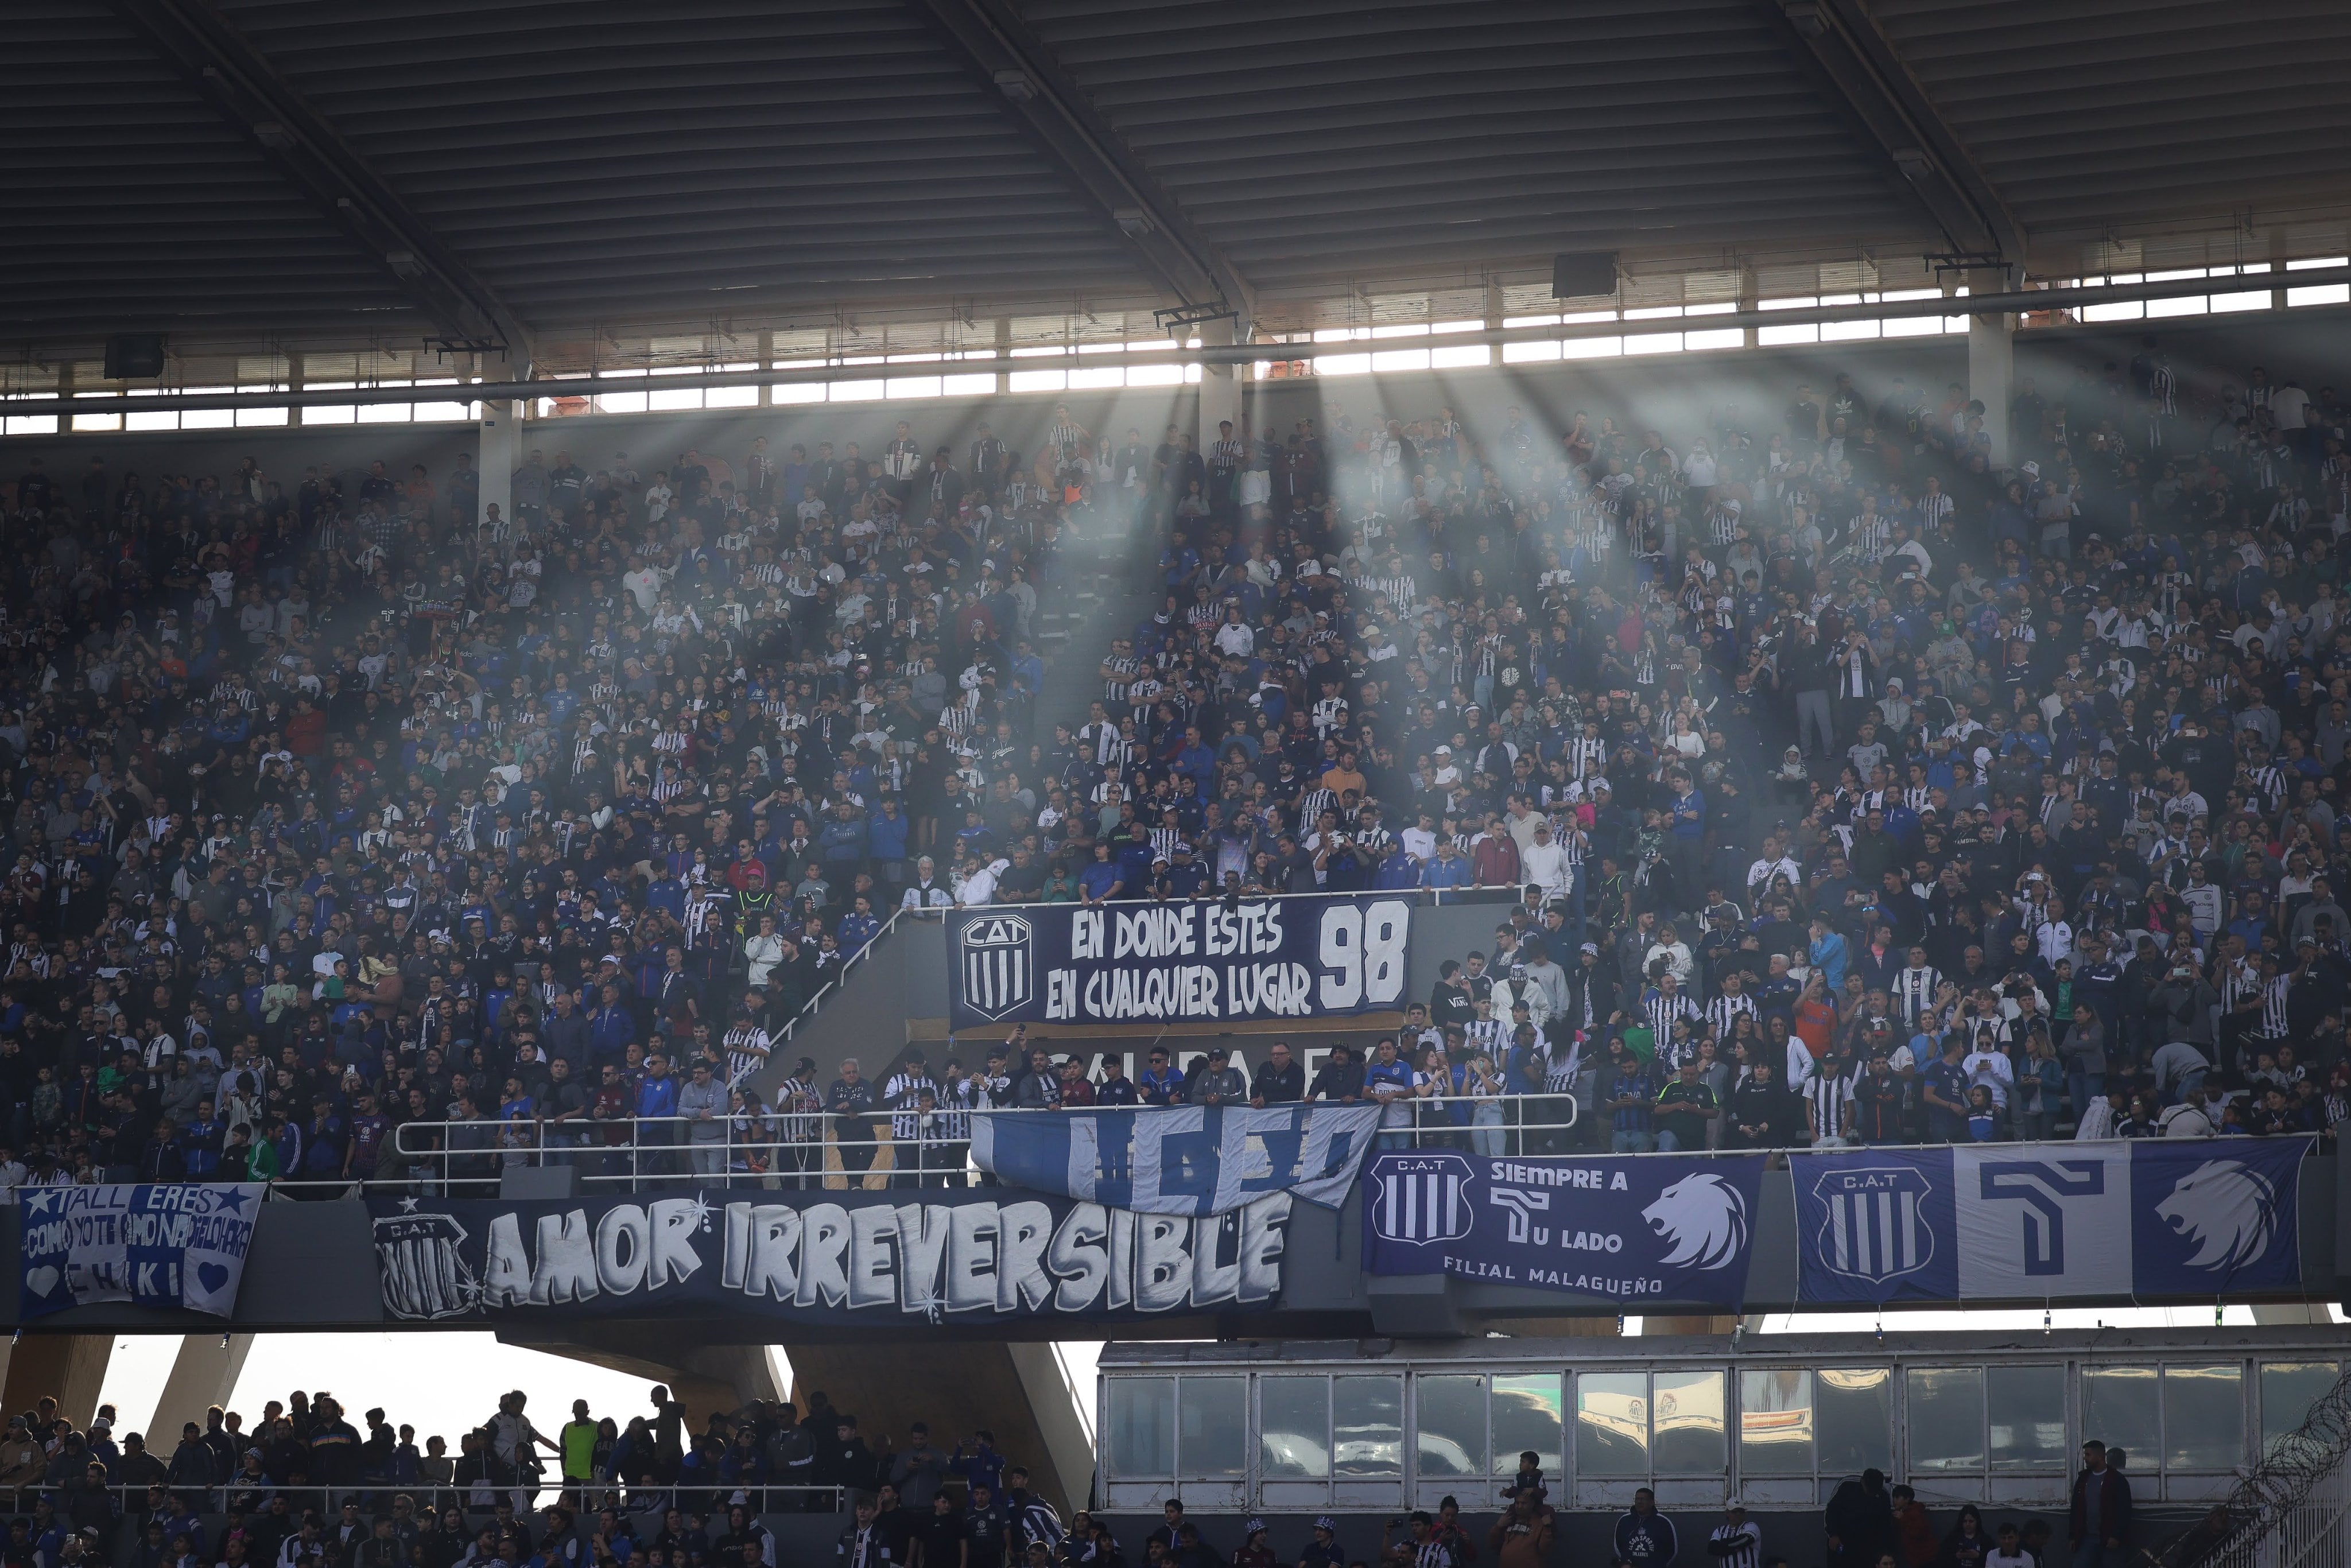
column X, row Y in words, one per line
column 1180, row 1159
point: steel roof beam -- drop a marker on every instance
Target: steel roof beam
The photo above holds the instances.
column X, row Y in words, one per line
column 1841, row 47
column 311, row 156
column 1018, row 66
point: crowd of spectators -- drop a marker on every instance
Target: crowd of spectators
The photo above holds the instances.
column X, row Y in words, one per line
column 1847, row 786
column 307, row 1487
column 344, row 802
column 1807, row 745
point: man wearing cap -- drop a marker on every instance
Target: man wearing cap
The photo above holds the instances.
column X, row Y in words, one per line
column 1323, row 1549
column 1218, row 1082
column 1737, row 1543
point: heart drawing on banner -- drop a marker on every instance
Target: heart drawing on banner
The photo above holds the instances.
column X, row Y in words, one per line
column 213, row 1277
column 43, row 1280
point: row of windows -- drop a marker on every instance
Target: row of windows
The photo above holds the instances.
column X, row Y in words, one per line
column 1273, row 1434
column 1658, row 329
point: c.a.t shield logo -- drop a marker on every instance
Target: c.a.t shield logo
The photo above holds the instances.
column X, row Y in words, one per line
column 1873, row 1224
column 998, row 965
column 1421, row 1198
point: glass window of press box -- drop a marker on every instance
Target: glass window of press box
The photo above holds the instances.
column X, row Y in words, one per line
column 1311, row 1437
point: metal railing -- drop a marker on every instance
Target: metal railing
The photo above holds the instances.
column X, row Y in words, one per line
column 135, row 1503
column 816, row 1149
column 836, row 1150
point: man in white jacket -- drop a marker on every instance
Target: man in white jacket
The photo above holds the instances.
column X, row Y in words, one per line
column 978, row 883
column 1544, row 863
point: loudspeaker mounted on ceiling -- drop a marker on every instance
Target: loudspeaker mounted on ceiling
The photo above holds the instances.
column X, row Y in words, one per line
column 134, row 356
column 1577, row 275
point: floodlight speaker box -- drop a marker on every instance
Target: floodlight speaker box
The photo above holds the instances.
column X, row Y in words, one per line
column 134, row 356
column 1579, row 273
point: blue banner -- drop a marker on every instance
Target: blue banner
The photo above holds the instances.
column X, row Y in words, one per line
column 180, row 1244
column 1615, row 1228
column 1199, row 962
column 1180, row 1159
column 2039, row 1222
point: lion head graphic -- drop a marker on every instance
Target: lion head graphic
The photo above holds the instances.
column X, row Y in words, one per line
column 1703, row 1218
column 2227, row 1211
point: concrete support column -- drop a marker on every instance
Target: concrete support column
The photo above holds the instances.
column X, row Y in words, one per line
column 1054, row 1405
column 1220, row 389
column 1003, row 349
column 68, row 1368
column 203, row 1374
column 1015, row 1391
column 1991, row 363
column 2295, row 1312
column 713, row 1380
column 1751, row 298
column 294, row 374
column 501, row 444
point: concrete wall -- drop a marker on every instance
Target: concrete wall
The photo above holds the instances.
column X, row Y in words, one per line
column 1587, row 1537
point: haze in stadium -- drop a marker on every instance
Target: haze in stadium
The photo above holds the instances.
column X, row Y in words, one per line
column 989, row 784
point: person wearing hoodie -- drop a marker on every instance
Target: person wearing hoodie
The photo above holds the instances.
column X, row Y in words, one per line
column 702, row 1102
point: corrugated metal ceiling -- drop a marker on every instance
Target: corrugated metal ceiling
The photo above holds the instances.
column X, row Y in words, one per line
column 1331, row 137
column 128, row 203
column 709, row 168
column 2104, row 115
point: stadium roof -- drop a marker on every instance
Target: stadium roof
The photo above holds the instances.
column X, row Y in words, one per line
column 268, row 174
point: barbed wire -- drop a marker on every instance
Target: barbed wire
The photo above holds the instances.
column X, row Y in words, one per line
column 2285, row 1505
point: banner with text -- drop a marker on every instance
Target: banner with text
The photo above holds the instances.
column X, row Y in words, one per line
column 1206, row 962
column 1618, row 1228
column 841, row 1258
column 2161, row 1217
column 1180, row 1159
column 179, row 1244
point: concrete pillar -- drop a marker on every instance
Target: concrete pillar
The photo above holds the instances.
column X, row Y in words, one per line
column 294, row 376
column 1751, row 298
column 203, row 1374
column 68, row 1368
column 1991, row 362
column 1220, row 389
column 1003, row 351
column 767, row 361
column 1015, row 1391
column 2296, row 1312
column 713, row 1380
column 500, row 443
column 1054, row 1405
